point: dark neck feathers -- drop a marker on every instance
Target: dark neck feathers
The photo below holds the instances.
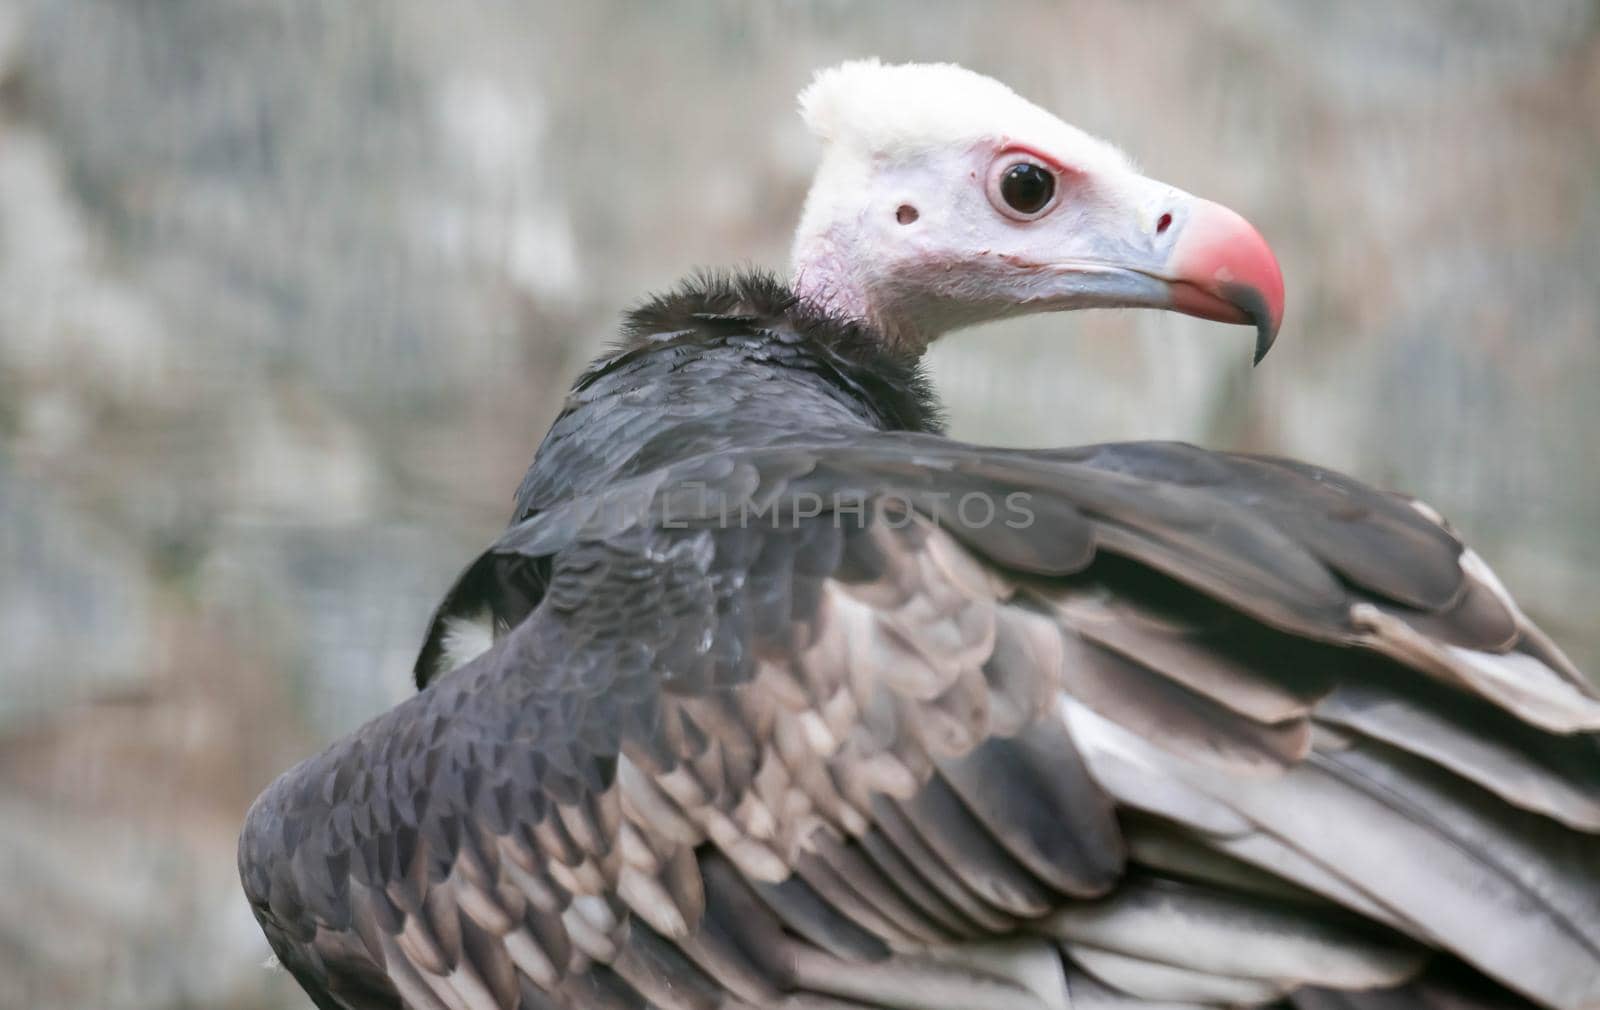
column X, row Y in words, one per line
column 710, row 308
column 723, row 364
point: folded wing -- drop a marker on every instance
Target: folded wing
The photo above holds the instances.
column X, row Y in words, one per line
column 888, row 720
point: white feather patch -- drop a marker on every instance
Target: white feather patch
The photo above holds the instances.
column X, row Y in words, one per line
column 465, row 638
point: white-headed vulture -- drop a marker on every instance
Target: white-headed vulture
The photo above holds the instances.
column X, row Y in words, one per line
column 772, row 695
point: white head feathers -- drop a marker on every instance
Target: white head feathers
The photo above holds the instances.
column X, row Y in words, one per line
column 883, row 110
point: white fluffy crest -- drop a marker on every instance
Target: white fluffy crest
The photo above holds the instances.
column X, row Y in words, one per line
column 886, row 110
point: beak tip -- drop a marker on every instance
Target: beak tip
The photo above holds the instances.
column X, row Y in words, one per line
column 1265, row 335
column 1261, row 309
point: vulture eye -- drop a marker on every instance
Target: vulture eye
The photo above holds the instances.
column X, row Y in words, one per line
column 1027, row 188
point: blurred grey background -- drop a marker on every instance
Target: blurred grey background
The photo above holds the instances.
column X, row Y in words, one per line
column 289, row 290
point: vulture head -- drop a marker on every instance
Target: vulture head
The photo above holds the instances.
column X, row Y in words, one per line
column 944, row 199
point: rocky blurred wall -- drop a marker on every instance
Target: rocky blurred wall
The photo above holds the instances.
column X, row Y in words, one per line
column 289, row 288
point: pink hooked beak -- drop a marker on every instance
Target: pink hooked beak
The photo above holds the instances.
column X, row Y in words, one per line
column 1221, row 268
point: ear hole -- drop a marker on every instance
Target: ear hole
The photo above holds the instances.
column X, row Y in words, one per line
column 906, row 213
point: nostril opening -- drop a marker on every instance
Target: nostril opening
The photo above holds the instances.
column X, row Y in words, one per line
column 1163, row 224
column 906, row 214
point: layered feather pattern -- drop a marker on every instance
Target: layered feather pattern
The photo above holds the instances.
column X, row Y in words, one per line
column 821, row 709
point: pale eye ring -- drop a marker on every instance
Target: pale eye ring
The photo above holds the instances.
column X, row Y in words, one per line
column 1022, row 188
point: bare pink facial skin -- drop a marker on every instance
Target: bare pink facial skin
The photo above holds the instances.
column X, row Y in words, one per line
column 910, row 226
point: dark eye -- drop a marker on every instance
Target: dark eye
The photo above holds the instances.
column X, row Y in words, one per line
column 1027, row 188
